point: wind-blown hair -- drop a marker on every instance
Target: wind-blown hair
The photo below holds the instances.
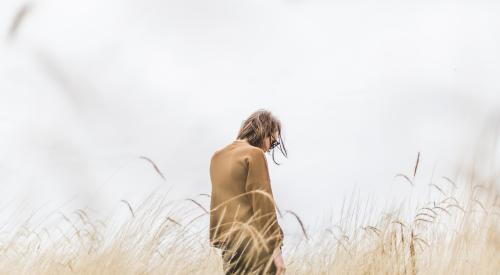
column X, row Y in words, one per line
column 260, row 125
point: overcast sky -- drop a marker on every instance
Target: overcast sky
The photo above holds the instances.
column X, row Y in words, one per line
column 86, row 87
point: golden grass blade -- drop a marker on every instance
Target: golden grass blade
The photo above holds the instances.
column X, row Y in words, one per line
column 416, row 165
column 129, row 207
column 300, row 223
column 154, row 166
column 198, row 204
column 405, row 177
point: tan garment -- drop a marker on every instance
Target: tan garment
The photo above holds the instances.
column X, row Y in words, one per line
column 236, row 215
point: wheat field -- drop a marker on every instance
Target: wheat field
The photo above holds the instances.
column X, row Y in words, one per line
column 456, row 231
column 454, row 234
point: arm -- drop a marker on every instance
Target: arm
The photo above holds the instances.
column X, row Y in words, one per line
column 262, row 201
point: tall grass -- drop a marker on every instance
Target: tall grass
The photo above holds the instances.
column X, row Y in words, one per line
column 455, row 232
column 452, row 235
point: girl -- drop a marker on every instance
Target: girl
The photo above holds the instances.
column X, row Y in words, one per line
column 243, row 221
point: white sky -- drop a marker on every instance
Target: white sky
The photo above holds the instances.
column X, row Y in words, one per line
column 360, row 86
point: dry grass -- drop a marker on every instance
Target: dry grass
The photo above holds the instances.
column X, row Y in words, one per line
column 455, row 232
column 452, row 235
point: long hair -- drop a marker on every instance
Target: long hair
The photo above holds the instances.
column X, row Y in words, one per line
column 260, row 125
